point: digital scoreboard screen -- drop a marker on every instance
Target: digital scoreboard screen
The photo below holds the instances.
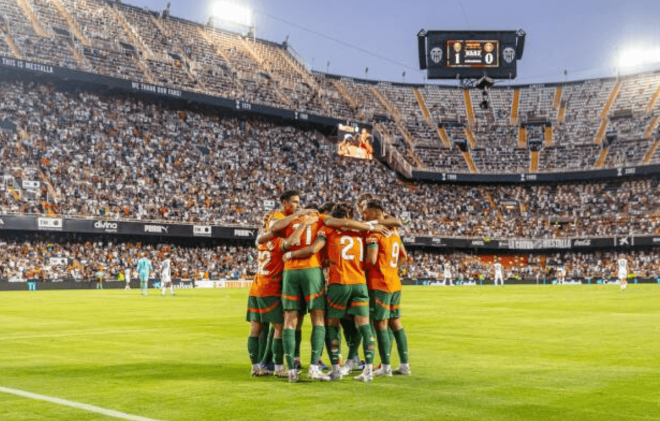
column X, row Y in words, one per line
column 462, row 53
column 470, row 54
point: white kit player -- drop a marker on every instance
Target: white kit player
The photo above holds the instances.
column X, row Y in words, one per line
column 127, row 277
column 498, row 273
column 447, row 275
column 622, row 265
column 166, row 275
column 561, row 274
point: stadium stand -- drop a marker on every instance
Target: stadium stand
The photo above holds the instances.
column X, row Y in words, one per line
column 64, row 257
column 475, row 268
column 113, row 155
column 336, row 104
column 127, row 157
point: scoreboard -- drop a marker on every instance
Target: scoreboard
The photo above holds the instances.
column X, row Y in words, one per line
column 470, row 54
column 474, row 53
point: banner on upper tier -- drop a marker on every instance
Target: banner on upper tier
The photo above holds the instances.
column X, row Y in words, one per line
column 24, row 67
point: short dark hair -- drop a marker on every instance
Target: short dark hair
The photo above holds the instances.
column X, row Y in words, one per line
column 288, row 195
column 365, row 196
column 375, row 204
column 342, row 210
column 327, row 207
column 312, row 205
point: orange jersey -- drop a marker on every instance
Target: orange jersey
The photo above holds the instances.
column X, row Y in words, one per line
column 323, row 257
column 268, row 281
column 346, row 255
column 307, row 239
column 275, row 216
column 384, row 275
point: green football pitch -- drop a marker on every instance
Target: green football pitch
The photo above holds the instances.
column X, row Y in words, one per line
column 477, row 353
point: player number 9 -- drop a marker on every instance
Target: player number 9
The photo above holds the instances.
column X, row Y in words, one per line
column 395, row 255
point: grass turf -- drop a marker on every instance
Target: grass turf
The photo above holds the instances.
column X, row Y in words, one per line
column 477, row 353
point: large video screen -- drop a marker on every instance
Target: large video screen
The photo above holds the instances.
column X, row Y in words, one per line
column 354, row 142
column 470, row 54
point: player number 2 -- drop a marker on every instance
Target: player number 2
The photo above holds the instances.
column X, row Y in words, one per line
column 348, row 241
column 264, row 259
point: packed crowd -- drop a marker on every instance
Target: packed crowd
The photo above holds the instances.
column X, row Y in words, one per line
column 121, row 158
column 474, row 268
column 68, row 257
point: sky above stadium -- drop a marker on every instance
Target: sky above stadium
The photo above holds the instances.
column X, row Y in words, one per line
column 585, row 38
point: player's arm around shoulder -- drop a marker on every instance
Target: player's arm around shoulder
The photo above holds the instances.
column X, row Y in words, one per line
column 391, row 222
column 294, row 239
column 351, row 224
column 265, row 237
column 316, row 247
column 373, row 245
column 281, row 224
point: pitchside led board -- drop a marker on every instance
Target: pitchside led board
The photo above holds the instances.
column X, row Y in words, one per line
column 470, row 54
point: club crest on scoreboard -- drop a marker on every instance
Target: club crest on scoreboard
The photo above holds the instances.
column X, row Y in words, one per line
column 436, row 54
column 509, row 54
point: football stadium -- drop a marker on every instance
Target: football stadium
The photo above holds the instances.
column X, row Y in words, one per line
column 197, row 224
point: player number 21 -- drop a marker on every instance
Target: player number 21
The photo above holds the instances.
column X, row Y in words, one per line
column 348, row 241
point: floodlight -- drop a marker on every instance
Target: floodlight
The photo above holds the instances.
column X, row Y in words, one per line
column 232, row 11
column 637, row 56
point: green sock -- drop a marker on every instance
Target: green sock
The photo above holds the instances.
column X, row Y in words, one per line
column 263, row 341
column 402, row 345
column 384, row 346
column 318, row 339
column 391, row 334
column 267, row 356
column 346, row 326
column 353, row 337
column 367, row 343
column 289, row 346
column 298, row 341
column 333, row 343
column 253, row 348
column 278, row 351
column 355, row 343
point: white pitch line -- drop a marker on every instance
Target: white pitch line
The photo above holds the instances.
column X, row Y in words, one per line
column 65, row 335
column 77, row 405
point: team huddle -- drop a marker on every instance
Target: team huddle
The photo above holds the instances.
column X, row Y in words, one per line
column 360, row 294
